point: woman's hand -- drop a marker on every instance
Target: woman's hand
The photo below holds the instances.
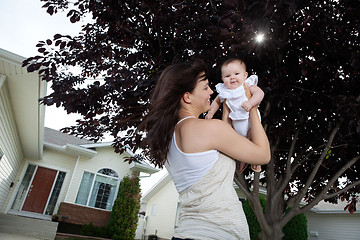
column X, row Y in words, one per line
column 226, row 113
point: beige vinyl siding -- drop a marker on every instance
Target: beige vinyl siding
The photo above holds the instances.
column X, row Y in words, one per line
column 334, row 226
column 105, row 158
column 163, row 220
column 57, row 161
column 9, row 144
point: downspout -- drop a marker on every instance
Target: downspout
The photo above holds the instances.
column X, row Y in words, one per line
column 72, row 178
column 41, row 120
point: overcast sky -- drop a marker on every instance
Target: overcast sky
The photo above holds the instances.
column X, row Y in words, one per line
column 23, row 23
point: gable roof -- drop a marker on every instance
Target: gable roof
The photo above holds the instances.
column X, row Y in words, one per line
column 58, row 138
column 156, row 188
column 72, row 145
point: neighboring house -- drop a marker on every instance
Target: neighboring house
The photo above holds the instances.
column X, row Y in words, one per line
column 325, row 221
column 161, row 207
column 44, row 172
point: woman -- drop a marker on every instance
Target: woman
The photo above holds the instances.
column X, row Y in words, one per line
column 200, row 154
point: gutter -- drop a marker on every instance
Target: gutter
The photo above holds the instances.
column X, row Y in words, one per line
column 72, row 149
column 330, row 211
column 143, row 168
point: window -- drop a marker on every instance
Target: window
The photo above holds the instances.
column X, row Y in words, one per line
column 98, row 189
column 55, row 193
column 154, row 209
column 24, row 185
column 178, row 209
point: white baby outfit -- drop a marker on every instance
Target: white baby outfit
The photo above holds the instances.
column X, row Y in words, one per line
column 234, row 99
column 209, row 205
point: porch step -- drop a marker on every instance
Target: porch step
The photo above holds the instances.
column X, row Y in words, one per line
column 36, row 228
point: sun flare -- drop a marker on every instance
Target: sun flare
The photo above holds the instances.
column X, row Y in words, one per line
column 259, row 37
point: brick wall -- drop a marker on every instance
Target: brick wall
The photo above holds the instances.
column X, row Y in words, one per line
column 75, row 214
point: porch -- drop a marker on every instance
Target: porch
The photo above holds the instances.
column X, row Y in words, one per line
column 26, row 228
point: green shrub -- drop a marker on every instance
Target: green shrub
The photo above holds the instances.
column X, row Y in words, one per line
column 91, row 230
column 124, row 215
column 254, row 226
column 295, row 229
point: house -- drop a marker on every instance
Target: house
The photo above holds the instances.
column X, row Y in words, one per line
column 331, row 222
column 161, row 207
column 44, row 172
column 326, row 221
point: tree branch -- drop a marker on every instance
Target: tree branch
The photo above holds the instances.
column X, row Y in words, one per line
column 256, row 185
column 310, row 179
column 270, row 171
column 240, row 181
column 295, row 211
column 322, row 195
column 256, row 204
column 340, row 172
column 296, row 163
column 354, row 184
column 253, row 197
column 284, row 181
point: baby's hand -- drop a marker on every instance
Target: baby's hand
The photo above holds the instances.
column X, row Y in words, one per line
column 247, row 106
column 209, row 115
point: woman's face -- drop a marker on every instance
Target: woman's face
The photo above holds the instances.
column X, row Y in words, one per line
column 200, row 96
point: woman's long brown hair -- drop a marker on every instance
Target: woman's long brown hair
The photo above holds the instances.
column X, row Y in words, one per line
column 159, row 124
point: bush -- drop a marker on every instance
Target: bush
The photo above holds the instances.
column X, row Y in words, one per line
column 254, row 226
column 91, row 230
column 295, row 229
column 124, row 215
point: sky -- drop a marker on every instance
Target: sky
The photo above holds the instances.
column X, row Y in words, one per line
column 23, row 23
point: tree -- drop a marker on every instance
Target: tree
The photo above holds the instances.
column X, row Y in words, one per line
column 295, row 229
column 124, row 215
column 308, row 66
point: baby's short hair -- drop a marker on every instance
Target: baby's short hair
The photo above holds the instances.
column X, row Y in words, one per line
column 230, row 60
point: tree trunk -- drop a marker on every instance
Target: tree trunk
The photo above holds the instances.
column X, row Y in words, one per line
column 275, row 233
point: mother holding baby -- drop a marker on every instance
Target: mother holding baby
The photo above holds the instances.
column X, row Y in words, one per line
column 200, row 154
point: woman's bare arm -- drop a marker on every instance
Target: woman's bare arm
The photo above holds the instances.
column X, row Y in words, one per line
column 226, row 140
column 215, row 105
column 226, row 113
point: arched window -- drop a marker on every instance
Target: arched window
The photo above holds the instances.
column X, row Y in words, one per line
column 108, row 172
column 98, row 190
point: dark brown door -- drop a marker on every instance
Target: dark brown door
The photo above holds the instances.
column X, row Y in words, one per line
column 39, row 191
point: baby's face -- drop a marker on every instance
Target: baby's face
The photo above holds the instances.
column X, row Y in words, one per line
column 233, row 74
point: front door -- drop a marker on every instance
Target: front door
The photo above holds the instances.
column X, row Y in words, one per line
column 39, row 191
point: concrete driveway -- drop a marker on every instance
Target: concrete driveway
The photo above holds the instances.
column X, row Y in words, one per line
column 6, row 236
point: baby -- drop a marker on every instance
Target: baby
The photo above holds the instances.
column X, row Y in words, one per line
column 234, row 75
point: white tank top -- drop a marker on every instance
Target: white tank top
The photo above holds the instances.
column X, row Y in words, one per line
column 187, row 168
